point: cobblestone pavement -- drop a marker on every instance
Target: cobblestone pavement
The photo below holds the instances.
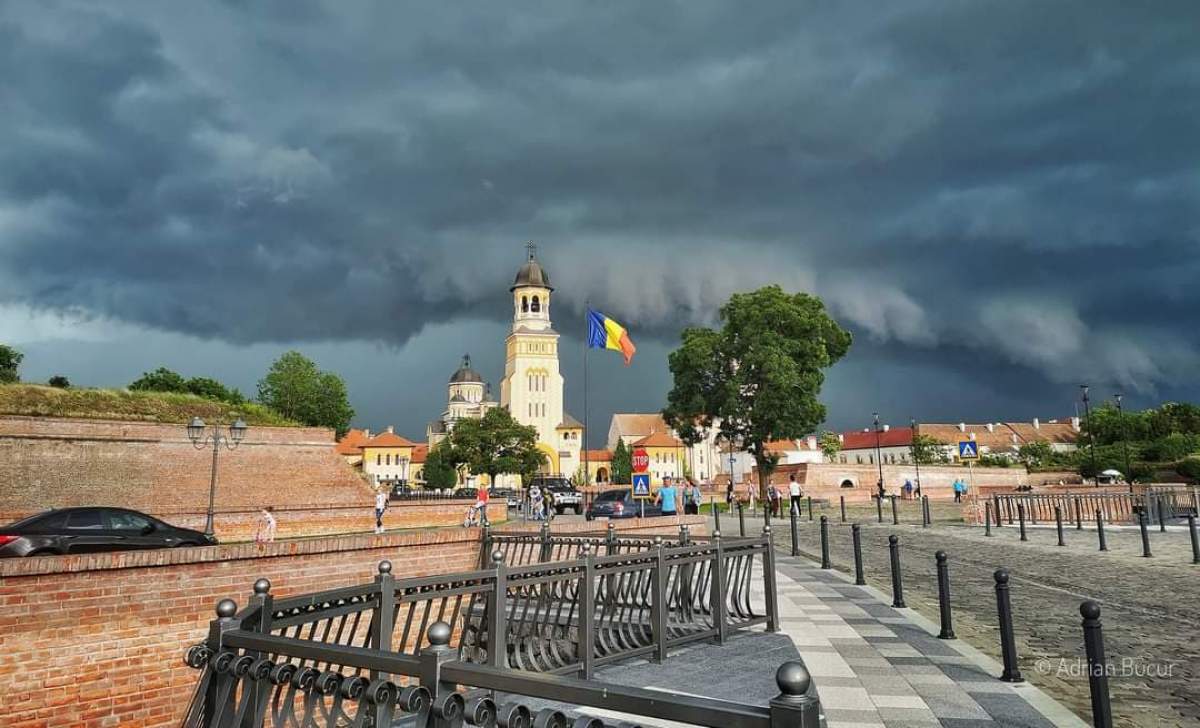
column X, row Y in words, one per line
column 1151, row 606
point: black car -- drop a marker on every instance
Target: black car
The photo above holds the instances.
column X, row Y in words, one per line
column 465, row 493
column 92, row 530
column 620, row 503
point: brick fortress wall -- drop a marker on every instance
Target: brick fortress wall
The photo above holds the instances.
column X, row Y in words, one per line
column 97, row 640
column 55, row 463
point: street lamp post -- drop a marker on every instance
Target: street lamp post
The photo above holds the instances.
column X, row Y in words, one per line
column 878, row 456
column 912, row 422
column 1124, row 443
column 1087, row 422
column 197, row 433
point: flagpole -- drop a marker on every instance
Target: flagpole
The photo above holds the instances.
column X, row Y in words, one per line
column 587, row 334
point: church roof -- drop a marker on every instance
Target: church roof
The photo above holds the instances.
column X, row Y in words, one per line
column 465, row 373
column 531, row 274
column 569, row 423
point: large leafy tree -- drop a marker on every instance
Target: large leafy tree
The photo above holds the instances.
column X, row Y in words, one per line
column 928, row 451
column 10, row 362
column 830, row 445
column 756, row 379
column 622, row 464
column 494, row 444
column 440, row 472
column 295, row 388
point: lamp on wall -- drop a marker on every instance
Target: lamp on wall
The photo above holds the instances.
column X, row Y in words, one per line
column 196, row 431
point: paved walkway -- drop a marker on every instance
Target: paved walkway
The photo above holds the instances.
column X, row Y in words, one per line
column 879, row 666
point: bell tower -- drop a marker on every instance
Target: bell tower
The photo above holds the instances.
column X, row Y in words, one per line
column 532, row 388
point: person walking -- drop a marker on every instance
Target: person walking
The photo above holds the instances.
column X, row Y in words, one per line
column 908, row 489
column 691, row 498
column 381, row 505
column 795, row 494
column 481, row 504
column 958, row 490
column 666, row 498
column 773, row 499
column 536, row 503
column 266, row 526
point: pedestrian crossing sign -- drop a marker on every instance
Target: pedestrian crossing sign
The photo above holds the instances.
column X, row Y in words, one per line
column 968, row 450
column 641, row 485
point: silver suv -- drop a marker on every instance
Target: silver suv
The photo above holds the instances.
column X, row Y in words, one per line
column 561, row 494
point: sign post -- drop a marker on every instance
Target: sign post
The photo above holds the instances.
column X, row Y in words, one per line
column 968, row 450
column 641, row 479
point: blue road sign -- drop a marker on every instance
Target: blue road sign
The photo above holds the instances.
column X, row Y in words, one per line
column 968, row 450
column 641, row 485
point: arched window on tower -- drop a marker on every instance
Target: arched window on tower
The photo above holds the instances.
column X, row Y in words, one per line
column 536, row 306
column 524, row 304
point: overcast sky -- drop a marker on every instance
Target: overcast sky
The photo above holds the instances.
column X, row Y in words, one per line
column 1000, row 199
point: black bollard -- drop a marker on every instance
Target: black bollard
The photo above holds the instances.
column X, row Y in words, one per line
column 1021, row 520
column 742, row 519
column 843, row 500
column 1195, row 538
column 1093, row 643
column 1158, row 506
column 996, row 510
column 1008, row 643
column 716, row 514
column 897, row 581
column 810, row 516
column 879, row 508
column 895, row 514
column 1078, row 515
column 795, row 533
column 943, row 576
column 1100, row 530
column 1058, row 524
column 1145, row 534
column 825, row 543
column 987, row 518
column 858, row 565
column 925, row 513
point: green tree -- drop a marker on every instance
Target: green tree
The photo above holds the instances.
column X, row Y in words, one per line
column 10, row 362
column 622, row 464
column 495, row 444
column 212, row 389
column 757, row 379
column 440, row 471
column 1037, row 454
column 830, row 445
column 58, row 381
column 159, row 380
column 295, row 388
column 928, row 451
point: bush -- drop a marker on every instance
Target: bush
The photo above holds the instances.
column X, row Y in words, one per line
column 59, row 381
column 1189, row 468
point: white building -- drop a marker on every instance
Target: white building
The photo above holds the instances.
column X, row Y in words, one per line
column 704, row 460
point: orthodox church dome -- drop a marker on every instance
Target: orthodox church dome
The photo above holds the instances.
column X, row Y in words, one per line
column 531, row 274
column 465, row 373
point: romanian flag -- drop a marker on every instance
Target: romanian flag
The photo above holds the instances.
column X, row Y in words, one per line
column 604, row 333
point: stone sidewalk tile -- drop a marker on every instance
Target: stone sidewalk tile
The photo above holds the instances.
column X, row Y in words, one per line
column 877, row 665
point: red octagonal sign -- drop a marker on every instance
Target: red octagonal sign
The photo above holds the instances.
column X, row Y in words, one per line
column 641, row 460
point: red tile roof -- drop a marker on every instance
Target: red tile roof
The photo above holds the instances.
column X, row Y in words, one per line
column 419, row 453
column 388, row 439
column 352, row 443
column 658, row 439
column 597, row 456
column 860, row 440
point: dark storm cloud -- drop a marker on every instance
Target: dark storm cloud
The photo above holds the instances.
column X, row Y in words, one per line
column 1008, row 187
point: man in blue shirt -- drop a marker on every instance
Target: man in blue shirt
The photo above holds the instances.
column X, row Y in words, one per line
column 666, row 497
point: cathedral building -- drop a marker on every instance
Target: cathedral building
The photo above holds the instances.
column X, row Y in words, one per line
column 532, row 388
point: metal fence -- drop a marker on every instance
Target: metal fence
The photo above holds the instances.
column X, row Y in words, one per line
column 327, row 659
column 1114, row 507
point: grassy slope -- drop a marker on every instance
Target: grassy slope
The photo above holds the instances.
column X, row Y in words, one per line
column 118, row 404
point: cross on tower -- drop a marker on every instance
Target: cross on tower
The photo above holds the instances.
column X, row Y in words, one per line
column 532, row 248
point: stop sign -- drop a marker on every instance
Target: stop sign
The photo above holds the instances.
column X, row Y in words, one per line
column 641, row 460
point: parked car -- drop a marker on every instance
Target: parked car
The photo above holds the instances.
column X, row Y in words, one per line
column 510, row 496
column 561, row 494
column 92, row 530
column 620, row 503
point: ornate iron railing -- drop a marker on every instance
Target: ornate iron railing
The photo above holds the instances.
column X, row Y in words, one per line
column 249, row 680
column 322, row 654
